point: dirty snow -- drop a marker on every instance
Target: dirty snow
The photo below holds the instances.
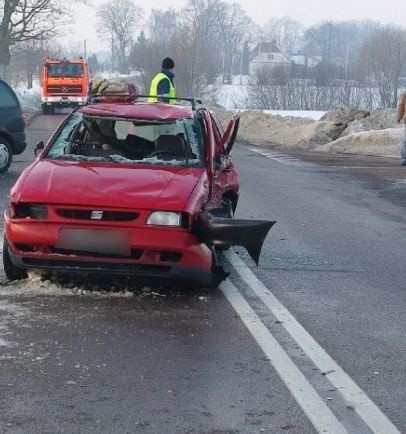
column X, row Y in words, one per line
column 337, row 131
column 36, row 286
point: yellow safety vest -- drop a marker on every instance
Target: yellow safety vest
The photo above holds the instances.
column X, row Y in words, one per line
column 153, row 90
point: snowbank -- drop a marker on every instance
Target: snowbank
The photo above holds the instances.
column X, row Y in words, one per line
column 373, row 142
column 342, row 130
column 30, row 100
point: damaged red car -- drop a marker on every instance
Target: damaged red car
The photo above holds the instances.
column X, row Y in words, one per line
column 130, row 187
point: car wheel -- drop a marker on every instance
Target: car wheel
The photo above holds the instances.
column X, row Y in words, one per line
column 12, row 271
column 44, row 109
column 6, row 154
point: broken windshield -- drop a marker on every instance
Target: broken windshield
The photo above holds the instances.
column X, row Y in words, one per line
column 128, row 141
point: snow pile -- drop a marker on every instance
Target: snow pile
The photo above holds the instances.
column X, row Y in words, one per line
column 372, row 142
column 30, row 100
column 264, row 129
column 367, row 133
column 343, row 130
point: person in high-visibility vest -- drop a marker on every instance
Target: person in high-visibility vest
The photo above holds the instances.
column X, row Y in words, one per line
column 162, row 87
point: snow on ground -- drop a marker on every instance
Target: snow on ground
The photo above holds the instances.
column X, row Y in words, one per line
column 312, row 114
column 35, row 285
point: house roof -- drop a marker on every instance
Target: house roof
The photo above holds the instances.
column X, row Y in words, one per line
column 266, row 47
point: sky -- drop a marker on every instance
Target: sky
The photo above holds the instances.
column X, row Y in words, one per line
column 308, row 12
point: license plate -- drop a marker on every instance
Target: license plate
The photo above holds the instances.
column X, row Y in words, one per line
column 106, row 241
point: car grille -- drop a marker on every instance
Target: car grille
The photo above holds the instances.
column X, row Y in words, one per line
column 162, row 255
column 65, row 90
column 135, row 254
column 118, row 216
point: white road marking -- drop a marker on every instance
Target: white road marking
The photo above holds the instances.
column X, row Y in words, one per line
column 353, row 395
column 287, row 160
column 311, row 403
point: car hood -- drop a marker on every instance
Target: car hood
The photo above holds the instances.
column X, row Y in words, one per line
column 79, row 183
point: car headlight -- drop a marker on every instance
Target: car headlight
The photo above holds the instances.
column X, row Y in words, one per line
column 165, row 218
column 28, row 210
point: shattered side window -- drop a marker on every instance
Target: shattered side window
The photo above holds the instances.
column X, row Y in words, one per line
column 63, row 135
column 193, row 135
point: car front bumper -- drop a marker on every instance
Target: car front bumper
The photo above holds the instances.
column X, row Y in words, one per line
column 155, row 252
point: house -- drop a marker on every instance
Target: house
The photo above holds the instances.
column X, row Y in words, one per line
column 267, row 54
column 300, row 59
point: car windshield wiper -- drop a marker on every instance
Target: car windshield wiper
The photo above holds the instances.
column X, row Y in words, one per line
column 63, row 157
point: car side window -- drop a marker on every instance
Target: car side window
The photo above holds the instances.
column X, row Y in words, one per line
column 7, row 97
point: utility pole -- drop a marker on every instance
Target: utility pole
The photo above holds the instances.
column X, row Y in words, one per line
column 84, row 49
column 112, row 53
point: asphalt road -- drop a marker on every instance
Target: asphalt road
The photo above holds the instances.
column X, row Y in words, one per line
column 311, row 341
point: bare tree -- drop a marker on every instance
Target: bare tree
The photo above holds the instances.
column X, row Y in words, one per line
column 118, row 20
column 384, row 58
column 286, row 32
column 234, row 28
column 323, row 40
column 30, row 54
column 28, row 20
column 199, row 21
column 162, row 24
column 146, row 56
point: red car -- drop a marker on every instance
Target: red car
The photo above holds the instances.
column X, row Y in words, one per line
column 130, row 187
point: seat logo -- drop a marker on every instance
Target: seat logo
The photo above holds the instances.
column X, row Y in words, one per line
column 96, row 215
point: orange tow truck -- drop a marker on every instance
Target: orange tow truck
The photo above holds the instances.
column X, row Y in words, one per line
column 64, row 83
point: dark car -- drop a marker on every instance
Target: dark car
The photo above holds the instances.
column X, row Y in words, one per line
column 12, row 136
column 132, row 188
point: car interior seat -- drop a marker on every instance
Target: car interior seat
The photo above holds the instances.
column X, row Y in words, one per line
column 136, row 147
column 174, row 145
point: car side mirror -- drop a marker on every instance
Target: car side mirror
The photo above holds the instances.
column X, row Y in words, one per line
column 39, row 148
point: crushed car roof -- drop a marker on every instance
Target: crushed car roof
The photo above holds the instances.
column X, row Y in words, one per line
column 138, row 110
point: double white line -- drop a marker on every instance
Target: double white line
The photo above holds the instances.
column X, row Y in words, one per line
column 306, row 396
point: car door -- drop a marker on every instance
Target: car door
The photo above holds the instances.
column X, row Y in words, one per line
column 229, row 135
column 225, row 178
column 11, row 120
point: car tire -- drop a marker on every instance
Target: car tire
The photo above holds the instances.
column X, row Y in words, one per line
column 11, row 271
column 44, row 109
column 6, row 154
